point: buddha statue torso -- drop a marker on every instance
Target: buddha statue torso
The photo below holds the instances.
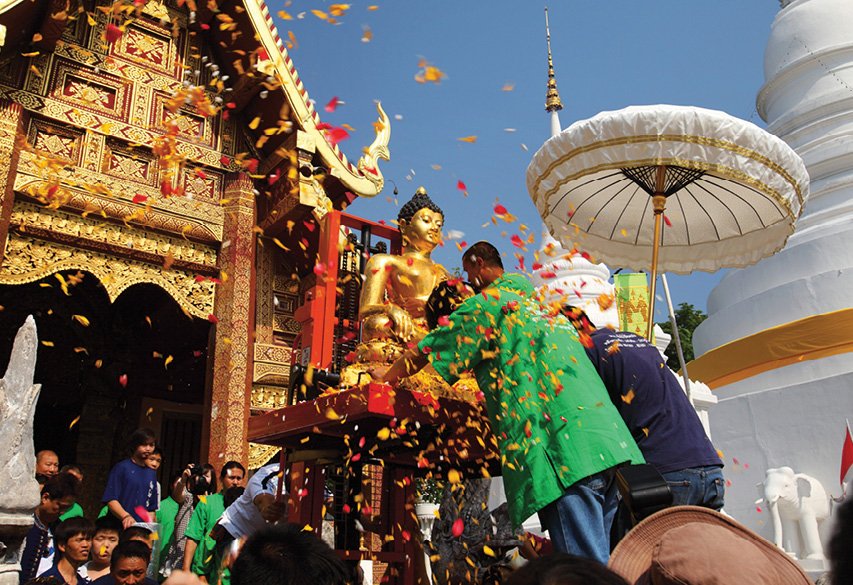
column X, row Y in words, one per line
column 396, row 288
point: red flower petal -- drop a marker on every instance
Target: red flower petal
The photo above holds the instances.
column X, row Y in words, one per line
column 458, row 528
column 113, row 33
column 123, row 380
column 140, row 198
column 500, row 209
column 332, row 105
column 461, row 186
column 213, row 318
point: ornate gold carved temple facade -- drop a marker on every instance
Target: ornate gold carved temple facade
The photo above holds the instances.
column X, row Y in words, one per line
column 163, row 176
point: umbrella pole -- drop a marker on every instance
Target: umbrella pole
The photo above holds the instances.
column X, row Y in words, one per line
column 659, row 203
column 676, row 338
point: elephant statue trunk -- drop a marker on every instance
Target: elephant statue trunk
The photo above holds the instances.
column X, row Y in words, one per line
column 797, row 503
column 777, row 523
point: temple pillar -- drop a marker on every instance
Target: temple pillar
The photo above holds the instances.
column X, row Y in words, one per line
column 234, row 315
column 11, row 126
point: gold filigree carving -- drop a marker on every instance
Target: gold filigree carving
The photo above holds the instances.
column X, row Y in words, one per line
column 28, row 215
column 260, row 454
column 28, row 260
column 268, row 397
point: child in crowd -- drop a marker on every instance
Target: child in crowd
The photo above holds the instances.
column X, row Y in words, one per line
column 131, row 490
column 104, row 541
column 73, row 538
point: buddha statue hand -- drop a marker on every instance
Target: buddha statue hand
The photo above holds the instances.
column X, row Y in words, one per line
column 403, row 325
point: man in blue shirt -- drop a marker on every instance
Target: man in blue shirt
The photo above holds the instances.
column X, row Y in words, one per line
column 131, row 490
column 73, row 541
column 656, row 409
column 57, row 496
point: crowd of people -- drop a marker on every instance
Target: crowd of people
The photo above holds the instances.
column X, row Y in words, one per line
column 141, row 534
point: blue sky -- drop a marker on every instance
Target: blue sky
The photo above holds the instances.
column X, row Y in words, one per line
column 607, row 55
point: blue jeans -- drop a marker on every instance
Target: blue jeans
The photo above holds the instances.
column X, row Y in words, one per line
column 579, row 521
column 697, row 486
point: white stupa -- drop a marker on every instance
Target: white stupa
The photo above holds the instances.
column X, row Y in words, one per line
column 572, row 279
column 777, row 347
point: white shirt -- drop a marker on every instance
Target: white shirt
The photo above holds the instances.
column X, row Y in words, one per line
column 242, row 518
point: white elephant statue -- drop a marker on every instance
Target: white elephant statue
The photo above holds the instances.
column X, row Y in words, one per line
column 796, row 499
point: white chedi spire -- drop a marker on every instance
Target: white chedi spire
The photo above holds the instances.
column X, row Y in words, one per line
column 576, row 281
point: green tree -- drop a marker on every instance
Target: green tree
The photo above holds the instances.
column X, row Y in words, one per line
column 688, row 318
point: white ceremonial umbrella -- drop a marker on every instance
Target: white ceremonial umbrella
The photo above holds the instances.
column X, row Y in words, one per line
column 731, row 191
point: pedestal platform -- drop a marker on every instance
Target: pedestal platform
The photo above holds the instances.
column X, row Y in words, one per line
column 405, row 432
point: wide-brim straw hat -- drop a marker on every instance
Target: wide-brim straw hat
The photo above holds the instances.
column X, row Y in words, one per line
column 689, row 545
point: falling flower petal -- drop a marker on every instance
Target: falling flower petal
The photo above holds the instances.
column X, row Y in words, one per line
column 332, row 105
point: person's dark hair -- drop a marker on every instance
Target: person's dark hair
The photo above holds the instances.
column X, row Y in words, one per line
column 60, row 486
column 130, row 549
column 564, row 569
column 231, row 494
column 418, row 201
column 285, row 555
column 214, row 487
column 578, row 317
column 840, row 545
column 135, row 531
column 108, row 523
column 71, row 467
column 139, row 437
column 487, row 252
column 72, row 527
column 444, row 299
column 157, row 451
column 231, row 465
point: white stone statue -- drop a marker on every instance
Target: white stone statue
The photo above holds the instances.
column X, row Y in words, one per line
column 18, row 396
column 797, row 504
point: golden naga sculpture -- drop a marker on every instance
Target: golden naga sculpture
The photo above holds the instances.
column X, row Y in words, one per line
column 396, row 288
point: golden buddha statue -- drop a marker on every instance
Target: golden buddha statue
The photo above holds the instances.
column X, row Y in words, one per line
column 396, row 288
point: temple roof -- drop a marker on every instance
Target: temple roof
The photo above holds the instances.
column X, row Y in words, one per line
column 264, row 58
column 364, row 177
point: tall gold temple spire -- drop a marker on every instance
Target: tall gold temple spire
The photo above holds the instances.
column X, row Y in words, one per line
column 552, row 98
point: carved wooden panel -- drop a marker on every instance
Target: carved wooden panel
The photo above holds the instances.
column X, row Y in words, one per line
column 100, row 93
column 125, row 162
column 55, row 140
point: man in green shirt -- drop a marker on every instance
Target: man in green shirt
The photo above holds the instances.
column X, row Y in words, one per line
column 559, row 435
column 199, row 556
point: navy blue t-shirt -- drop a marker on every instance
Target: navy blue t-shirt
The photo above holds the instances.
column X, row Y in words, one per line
column 54, row 572
column 651, row 402
column 133, row 486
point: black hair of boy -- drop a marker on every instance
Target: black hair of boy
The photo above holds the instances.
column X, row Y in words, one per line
column 139, row 437
column 60, row 486
column 108, row 523
column 287, row 555
column 136, row 532
column 71, row 527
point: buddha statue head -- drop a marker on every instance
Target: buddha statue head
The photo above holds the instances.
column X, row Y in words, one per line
column 420, row 221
